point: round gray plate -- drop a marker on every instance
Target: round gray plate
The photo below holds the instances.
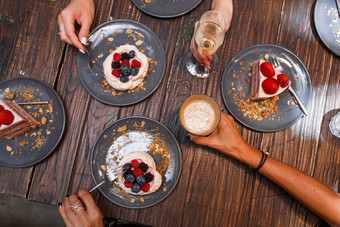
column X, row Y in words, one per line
column 325, row 12
column 101, row 45
column 166, row 8
column 292, row 66
column 28, row 155
column 102, row 145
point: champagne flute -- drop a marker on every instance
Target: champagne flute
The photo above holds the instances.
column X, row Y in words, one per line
column 209, row 36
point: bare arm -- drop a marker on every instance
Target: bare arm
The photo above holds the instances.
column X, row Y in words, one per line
column 313, row 194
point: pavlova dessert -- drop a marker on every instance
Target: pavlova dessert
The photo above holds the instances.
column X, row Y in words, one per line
column 267, row 82
column 125, row 68
column 140, row 175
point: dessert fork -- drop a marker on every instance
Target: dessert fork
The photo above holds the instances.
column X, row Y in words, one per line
column 278, row 67
column 93, row 66
column 111, row 174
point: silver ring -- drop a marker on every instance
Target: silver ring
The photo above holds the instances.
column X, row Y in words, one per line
column 77, row 206
column 62, row 29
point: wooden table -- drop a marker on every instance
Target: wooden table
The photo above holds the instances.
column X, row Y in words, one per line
column 213, row 190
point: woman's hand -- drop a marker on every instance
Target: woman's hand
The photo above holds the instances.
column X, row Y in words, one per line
column 226, row 138
column 82, row 12
column 87, row 213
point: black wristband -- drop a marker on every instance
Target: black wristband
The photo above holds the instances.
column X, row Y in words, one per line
column 263, row 160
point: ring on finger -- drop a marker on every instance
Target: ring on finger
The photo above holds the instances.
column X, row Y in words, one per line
column 61, row 30
column 77, row 206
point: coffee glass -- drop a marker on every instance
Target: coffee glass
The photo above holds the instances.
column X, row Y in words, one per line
column 200, row 115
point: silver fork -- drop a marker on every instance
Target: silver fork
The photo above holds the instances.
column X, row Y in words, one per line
column 278, row 67
column 93, row 66
column 111, row 174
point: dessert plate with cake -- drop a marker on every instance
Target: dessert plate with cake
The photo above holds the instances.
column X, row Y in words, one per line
column 166, row 8
column 256, row 93
column 147, row 154
column 28, row 133
column 132, row 59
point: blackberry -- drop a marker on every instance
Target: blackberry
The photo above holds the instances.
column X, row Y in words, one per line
column 143, row 166
column 129, row 177
column 132, row 54
column 115, row 64
column 126, row 167
column 148, row 177
column 141, row 180
column 125, row 56
column 134, row 71
column 124, row 79
column 135, row 188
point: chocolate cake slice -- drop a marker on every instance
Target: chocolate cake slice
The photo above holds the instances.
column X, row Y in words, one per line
column 22, row 122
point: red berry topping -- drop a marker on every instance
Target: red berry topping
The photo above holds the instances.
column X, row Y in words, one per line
column 125, row 62
column 267, row 69
column 116, row 72
column 1, row 108
column 117, row 57
column 6, row 117
column 270, row 86
column 138, row 172
column 134, row 163
column 135, row 63
column 127, row 184
column 283, row 80
column 146, row 187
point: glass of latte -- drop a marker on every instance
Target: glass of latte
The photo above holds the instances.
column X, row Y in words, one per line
column 200, row 115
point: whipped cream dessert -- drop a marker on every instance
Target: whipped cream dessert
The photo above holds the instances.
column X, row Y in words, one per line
column 266, row 81
column 140, row 175
column 125, row 68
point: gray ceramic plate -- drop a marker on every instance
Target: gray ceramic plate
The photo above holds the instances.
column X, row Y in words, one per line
column 166, row 8
column 51, row 133
column 110, row 136
column 114, row 34
column 288, row 112
column 327, row 23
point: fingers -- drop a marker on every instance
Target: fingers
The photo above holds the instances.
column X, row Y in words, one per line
column 76, row 216
column 63, row 215
column 91, row 206
column 71, row 33
column 84, row 31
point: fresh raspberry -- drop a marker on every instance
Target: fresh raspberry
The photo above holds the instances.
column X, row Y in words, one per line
column 1, row 108
column 146, row 187
column 270, row 86
column 6, row 117
column 283, row 80
column 134, row 163
column 138, row 172
column 127, row 184
column 267, row 69
column 135, row 63
column 125, row 62
column 117, row 57
column 116, row 72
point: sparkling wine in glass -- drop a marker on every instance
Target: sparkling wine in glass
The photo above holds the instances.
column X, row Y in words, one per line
column 209, row 36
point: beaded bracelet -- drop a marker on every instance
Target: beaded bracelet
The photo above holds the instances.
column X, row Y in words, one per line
column 263, row 160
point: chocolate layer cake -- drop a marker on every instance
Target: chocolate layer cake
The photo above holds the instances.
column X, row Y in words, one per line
column 22, row 123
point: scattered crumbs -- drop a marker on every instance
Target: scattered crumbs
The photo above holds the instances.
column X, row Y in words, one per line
column 139, row 42
column 10, row 95
column 148, row 1
column 266, row 56
column 8, row 148
column 43, row 121
column 129, row 30
column 23, row 143
column 103, row 167
column 122, row 129
column 105, row 136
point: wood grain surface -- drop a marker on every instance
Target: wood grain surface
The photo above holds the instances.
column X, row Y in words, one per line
column 213, row 190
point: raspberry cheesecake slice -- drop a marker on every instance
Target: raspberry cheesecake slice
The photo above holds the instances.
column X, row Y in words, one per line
column 15, row 121
column 267, row 82
column 140, row 175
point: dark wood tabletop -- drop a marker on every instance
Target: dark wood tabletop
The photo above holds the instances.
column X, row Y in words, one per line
column 213, row 189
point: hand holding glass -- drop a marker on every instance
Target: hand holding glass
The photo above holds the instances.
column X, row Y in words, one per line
column 208, row 37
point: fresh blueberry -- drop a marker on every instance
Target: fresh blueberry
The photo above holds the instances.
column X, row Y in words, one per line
column 132, row 54
column 135, row 188
column 125, row 70
column 126, row 167
column 141, row 180
column 134, row 71
column 129, row 177
column 124, row 79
